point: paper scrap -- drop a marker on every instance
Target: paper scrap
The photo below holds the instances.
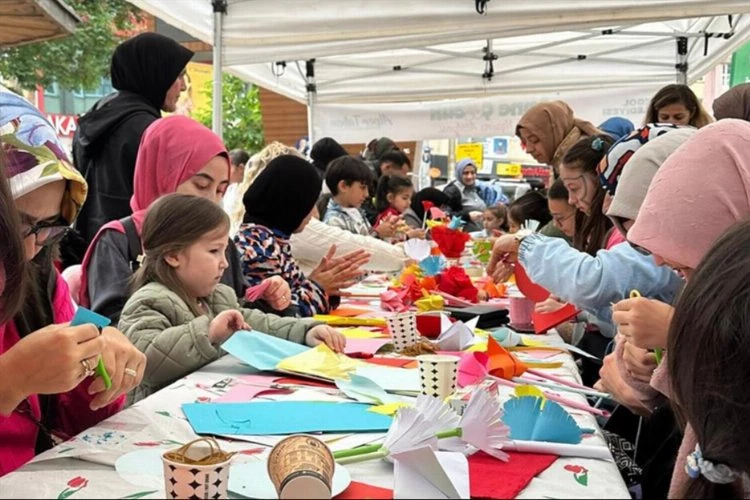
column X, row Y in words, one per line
column 365, row 390
column 425, row 473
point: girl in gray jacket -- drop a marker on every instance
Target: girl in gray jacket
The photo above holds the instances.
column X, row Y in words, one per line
column 180, row 313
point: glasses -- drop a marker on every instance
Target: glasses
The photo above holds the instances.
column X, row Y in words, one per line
column 559, row 219
column 639, row 249
column 46, row 233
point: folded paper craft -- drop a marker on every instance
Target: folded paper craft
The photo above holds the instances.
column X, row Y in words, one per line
column 417, row 249
column 451, row 242
column 546, row 321
column 259, row 350
column 532, row 418
column 531, row 290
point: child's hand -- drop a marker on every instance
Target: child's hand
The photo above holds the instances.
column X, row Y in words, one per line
column 388, row 226
column 224, row 325
column 324, row 334
column 416, row 233
column 549, row 305
column 278, row 295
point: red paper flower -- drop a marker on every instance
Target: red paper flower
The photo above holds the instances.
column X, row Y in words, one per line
column 427, row 205
column 450, row 241
column 78, row 482
column 455, row 281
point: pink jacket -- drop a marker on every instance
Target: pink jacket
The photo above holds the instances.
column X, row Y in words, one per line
column 18, row 433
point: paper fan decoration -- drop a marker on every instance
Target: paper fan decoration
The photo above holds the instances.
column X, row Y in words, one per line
column 532, row 418
column 456, row 223
column 531, row 290
column 451, row 242
column 432, row 265
column 417, row 249
column 482, row 425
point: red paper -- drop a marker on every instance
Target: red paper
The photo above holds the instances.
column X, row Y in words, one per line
column 429, row 325
column 361, row 490
column 545, row 321
column 492, row 478
column 450, row 241
column 531, row 290
column 455, row 281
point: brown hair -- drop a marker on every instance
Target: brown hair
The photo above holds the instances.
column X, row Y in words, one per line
column 165, row 232
column 677, row 94
column 709, row 351
column 500, row 212
column 585, row 155
column 530, row 206
column 12, row 255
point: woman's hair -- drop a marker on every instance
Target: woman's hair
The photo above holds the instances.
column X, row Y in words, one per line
column 530, row 206
column 254, row 167
column 238, row 157
column 165, row 232
column 12, row 255
column 500, row 212
column 558, row 191
column 709, row 351
column 390, row 184
column 585, row 155
column 676, row 93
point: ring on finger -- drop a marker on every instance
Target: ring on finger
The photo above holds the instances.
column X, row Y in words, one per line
column 131, row 372
column 87, row 370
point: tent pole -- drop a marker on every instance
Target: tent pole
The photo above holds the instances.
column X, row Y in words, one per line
column 312, row 92
column 682, row 60
column 220, row 8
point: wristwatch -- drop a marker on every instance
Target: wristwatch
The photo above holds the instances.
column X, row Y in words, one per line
column 522, row 233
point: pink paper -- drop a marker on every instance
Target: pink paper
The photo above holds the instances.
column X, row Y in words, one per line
column 472, row 368
column 393, row 301
column 541, row 354
column 247, row 387
column 365, row 346
column 254, row 293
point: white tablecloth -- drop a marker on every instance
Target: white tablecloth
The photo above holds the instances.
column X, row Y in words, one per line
column 159, row 422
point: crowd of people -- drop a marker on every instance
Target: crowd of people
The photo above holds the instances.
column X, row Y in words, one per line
column 155, row 225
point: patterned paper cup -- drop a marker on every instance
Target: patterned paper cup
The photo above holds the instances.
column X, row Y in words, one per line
column 301, row 467
column 437, row 373
column 403, row 328
column 192, row 472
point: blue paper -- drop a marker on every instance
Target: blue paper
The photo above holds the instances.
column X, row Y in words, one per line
column 283, row 417
column 260, row 350
column 528, row 421
column 84, row 317
column 432, row 265
column 456, row 223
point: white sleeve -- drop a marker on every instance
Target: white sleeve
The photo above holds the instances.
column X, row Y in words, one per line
column 312, row 244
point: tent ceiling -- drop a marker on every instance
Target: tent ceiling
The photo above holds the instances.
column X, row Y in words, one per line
column 26, row 21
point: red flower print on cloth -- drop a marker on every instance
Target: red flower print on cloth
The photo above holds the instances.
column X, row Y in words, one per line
column 580, row 474
column 74, row 485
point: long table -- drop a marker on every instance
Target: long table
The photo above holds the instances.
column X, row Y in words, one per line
column 158, row 421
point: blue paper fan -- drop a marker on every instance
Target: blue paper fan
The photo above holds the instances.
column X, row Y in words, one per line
column 529, row 421
column 432, row 265
column 456, row 223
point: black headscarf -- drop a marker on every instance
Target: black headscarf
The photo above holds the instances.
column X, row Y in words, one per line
column 283, row 194
column 437, row 197
column 324, row 152
column 148, row 64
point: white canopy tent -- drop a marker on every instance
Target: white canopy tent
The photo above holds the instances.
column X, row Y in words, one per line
column 346, row 52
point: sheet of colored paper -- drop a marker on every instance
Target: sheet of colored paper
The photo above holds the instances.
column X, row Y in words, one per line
column 349, row 312
column 247, row 387
column 361, row 490
column 321, row 362
column 339, row 321
column 280, row 417
column 260, row 350
column 360, row 333
column 392, row 379
column 397, row 362
column 366, row 346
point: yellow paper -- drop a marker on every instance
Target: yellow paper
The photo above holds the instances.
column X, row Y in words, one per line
column 532, row 343
column 478, row 347
column 430, row 303
column 320, row 362
column 339, row 321
column 542, row 365
column 359, row 333
column 528, row 390
column 389, row 410
column 435, row 223
column 481, row 333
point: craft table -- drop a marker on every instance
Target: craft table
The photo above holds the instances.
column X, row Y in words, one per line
column 84, row 467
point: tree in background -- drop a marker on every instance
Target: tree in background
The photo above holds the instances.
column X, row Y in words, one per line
column 243, row 125
column 79, row 60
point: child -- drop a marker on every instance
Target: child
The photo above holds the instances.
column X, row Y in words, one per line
column 276, row 208
column 495, row 220
column 348, row 179
column 709, row 351
column 531, row 206
column 180, row 313
column 393, row 200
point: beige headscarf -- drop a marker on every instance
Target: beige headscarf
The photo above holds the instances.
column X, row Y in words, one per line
column 556, row 127
column 734, row 103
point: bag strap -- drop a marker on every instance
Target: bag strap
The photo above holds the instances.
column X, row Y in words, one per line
column 135, row 249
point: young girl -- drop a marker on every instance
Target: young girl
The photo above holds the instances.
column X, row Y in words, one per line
column 709, row 351
column 495, row 220
column 393, row 199
column 276, row 208
column 181, row 313
column 531, row 206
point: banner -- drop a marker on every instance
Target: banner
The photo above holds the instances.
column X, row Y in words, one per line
column 489, row 116
column 195, row 97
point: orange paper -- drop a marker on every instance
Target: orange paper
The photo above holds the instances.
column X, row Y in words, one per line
column 502, row 363
column 349, row 312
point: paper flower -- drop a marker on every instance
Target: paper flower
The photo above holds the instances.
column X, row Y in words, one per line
column 456, row 223
column 394, row 300
column 450, row 241
column 417, row 249
column 455, row 281
column 432, row 265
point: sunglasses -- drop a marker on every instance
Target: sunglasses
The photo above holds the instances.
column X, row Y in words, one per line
column 46, row 233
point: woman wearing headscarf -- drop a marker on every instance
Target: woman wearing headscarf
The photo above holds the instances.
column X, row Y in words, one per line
column 617, row 127
column 147, row 71
column 324, row 152
column 47, row 393
column 465, row 188
column 548, row 129
column 274, row 210
column 686, row 210
column 734, row 103
column 177, row 155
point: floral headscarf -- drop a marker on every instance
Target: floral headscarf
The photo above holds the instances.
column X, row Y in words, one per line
column 34, row 154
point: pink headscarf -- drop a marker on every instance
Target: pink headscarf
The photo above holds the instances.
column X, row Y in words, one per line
column 172, row 150
column 699, row 192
